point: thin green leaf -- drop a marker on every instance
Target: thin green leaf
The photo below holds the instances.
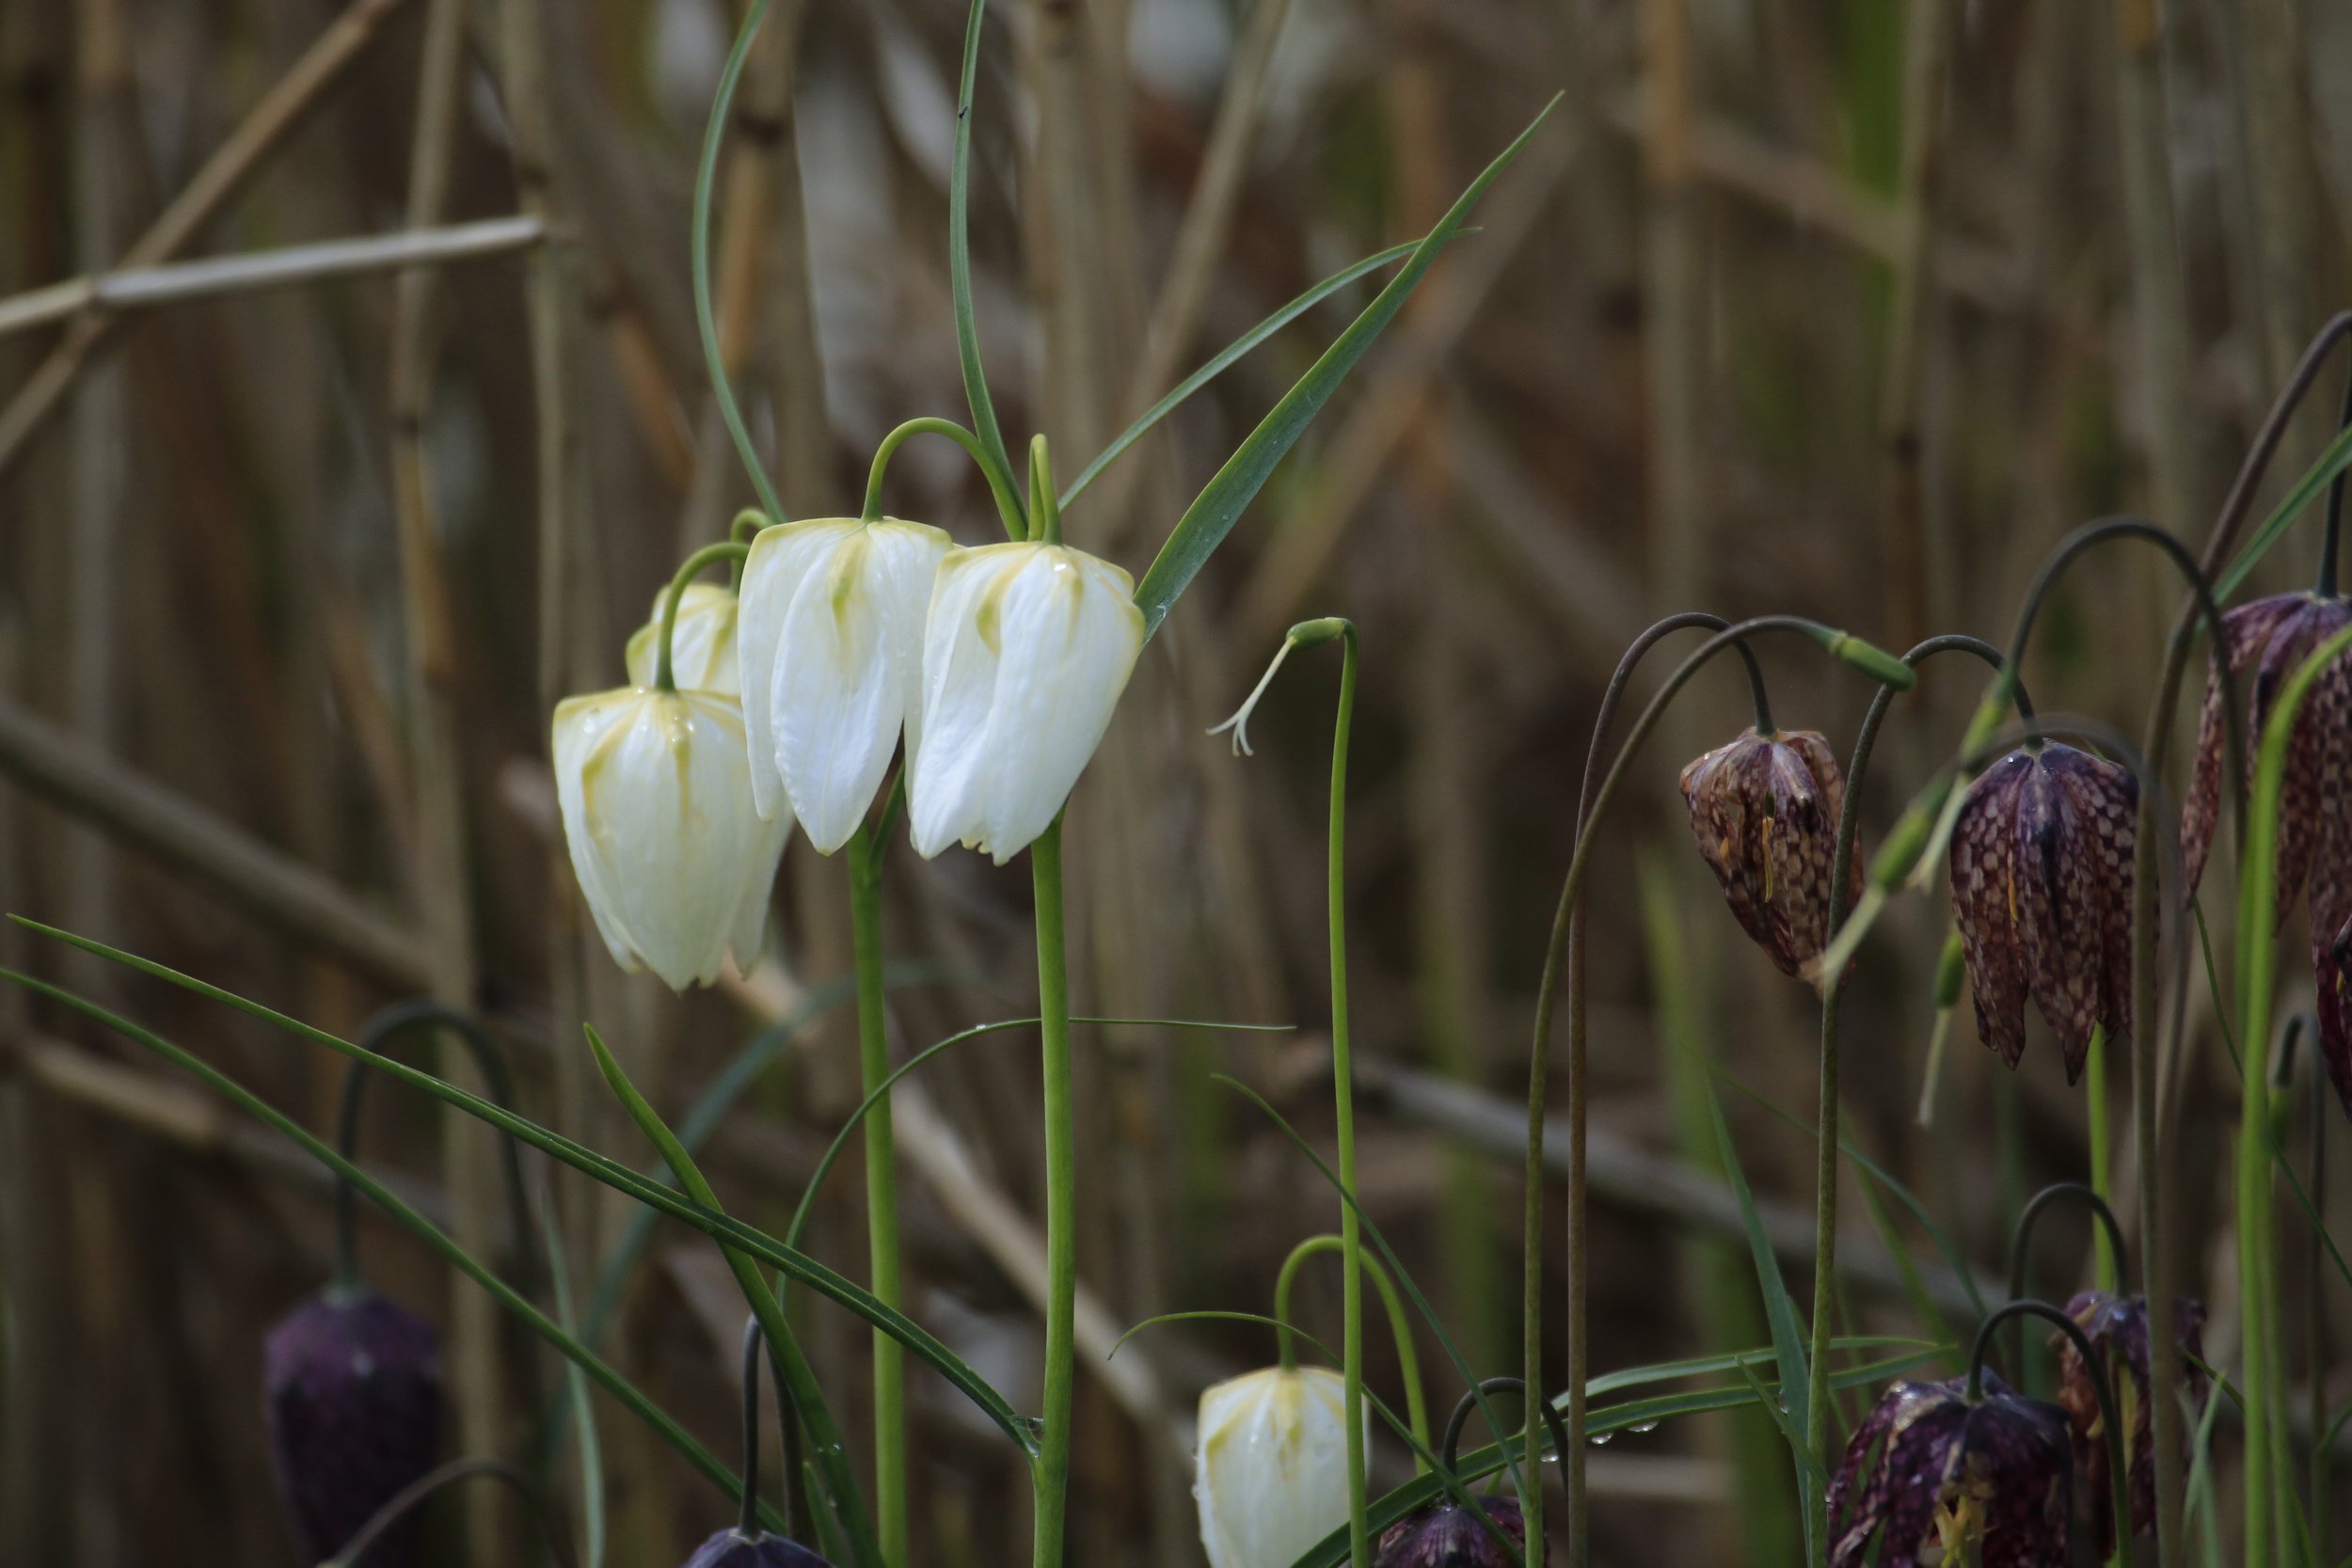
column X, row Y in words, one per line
column 1233, row 353
column 424, row 1229
column 2335, row 460
column 575, row 1382
column 1388, row 1254
column 705, row 315
column 960, row 268
column 826, row 1449
column 1789, row 1338
column 1221, row 501
column 612, row 1173
column 1702, row 1366
column 1922, row 1301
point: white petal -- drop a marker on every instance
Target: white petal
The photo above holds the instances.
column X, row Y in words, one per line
column 780, row 557
column 1072, row 631
column 1270, row 1474
column 961, row 646
column 845, row 663
column 580, row 725
column 702, row 647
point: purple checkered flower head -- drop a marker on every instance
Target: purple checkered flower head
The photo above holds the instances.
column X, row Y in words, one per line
column 352, row 1389
column 1447, row 1535
column 2273, row 637
column 2334, row 964
column 2041, row 892
column 1929, row 1475
column 731, row 1548
column 1764, row 810
column 2116, row 1328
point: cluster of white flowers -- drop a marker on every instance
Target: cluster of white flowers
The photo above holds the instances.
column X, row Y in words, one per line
column 1000, row 666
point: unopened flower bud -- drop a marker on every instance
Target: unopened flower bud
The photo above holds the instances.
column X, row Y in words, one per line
column 1764, row 810
column 1447, row 1535
column 352, row 1393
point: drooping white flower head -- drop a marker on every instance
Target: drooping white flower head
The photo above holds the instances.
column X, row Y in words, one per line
column 655, row 790
column 702, row 648
column 832, row 643
column 1025, row 650
column 1270, row 1473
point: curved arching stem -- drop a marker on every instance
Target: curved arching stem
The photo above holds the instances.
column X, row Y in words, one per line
column 2102, row 1386
column 692, row 567
column 1449, row 1452
column 411, row 1497
column 2021, row 1238
column 1400, row 1326
column 1819, row 1434
column 1564, row 957
column 999, row 485
column 376, row 1035
column 788, row 1429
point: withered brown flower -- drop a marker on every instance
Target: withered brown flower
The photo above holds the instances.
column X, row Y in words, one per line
column 2041, row 892
column 1764, row 810
column 2273, row 637
column 1929, row 1475
column 2116, row 1328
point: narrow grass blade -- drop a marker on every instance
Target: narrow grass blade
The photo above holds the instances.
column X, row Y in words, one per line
column 960, row 268
column 705, row 315
column 807, row 1271
column 583, row 1404
column 1221, row 504
column 1231, row 355
column 2335, row 460
column 424, row 1229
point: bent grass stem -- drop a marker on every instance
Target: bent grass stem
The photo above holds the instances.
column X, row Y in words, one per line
column 1400, row 1326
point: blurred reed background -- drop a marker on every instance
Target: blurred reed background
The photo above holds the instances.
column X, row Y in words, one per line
column 1843, row 307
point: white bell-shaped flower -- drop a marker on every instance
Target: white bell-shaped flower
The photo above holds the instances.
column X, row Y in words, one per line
column 655, row 790
column 831, row 645
column 1025, row 650
column 1270, row 1473
column 702, row 649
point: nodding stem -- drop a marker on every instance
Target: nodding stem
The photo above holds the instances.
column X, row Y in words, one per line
column 2200, row 587
column 2235, row 506
column 2021, row 1238
column 747, row 525
column 412, row 1497
column 2102, row 1386
column 999, row 482
column 1407, row 1358
column 747, row 1522
column 376, row 1035
column 1044, row 510
column 706, row 312
column 688, row 569
column 1450, row 1452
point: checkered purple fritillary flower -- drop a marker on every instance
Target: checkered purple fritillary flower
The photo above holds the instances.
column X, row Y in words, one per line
column 731, row 1548
column 2273, row 637
column 1764, row 810
column 2116, row 1328
column 1927, row 1474
column 1447, row 1535
column 2041, row 891
column 352, row 1388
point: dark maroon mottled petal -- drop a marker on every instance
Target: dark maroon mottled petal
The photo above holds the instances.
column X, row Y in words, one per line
column 1920, row 1422
column 2247, row 629
column 2106, row 799
column 1764, row 811
column 2059, row 919
column 352, row 1393
column 2014, row 1468
column 2327, row 718
column 2331, row 963
column 728, row 1549
column 1447, row 1535
column 1984, row 903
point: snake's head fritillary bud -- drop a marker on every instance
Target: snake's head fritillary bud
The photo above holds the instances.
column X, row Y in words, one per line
column 1447, row 1535
column 1025, row 650
column 1764, row 810
column 702, row 647
column 673, row 859
column 731, row 1548
column 352, row 1393
column 1270, row 1473
column 833, row 662
column 2116, row 1328
column 2332, row 962
column 2041, row 891
column 1934, row 1478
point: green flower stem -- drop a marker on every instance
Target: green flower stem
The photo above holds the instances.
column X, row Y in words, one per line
column 1045, row 510
column 1061, row 1199
column 1564, row 954
column 412, row 1497
column 705, row 313
column 2111, row 1261
column 1407, row 1358
column 611, row 1381
column 2095, row 1369
column 976, row 394
column 999, row 482
column 1819, row 1429
column 793, row 1374
column 881, row 1198
column 2267, row 1468
column 687, row 571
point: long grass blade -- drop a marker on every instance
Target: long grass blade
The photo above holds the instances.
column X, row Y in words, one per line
column 583, row 1404
column 1221, row 501
column 960, row 271
column 2333, row 461
column 705, row 315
